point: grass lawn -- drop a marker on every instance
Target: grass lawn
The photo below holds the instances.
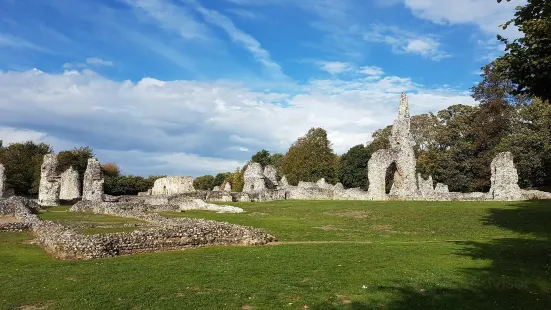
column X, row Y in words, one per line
column 331, row 255
column 89, row 223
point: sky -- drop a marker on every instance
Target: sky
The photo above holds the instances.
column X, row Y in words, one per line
column 194, row 87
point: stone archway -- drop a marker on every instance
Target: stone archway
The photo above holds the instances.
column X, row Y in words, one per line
column 377, row 166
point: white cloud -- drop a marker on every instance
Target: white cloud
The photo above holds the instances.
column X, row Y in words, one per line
column 371, row 71
column 189, row 127
column 173, row 17
column 334, row 67
column 246, row 14
column 11, row 135
column 246, row 40
column 94, row 61
column 403, row 41
column 11, row 41
column 486, row 14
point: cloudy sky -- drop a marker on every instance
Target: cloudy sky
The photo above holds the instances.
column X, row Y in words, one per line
column 189, row 87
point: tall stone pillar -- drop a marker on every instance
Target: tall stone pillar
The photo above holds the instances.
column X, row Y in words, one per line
column 504, row 178
column 70, row 185
column 93, row 181
column 48, row 191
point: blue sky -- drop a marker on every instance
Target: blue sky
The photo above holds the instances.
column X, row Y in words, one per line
column 188, row 87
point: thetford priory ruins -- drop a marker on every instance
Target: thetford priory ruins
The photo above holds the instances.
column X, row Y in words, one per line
column 171, row 194
column 261, row 184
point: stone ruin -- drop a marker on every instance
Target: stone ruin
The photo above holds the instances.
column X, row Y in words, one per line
column 255, row 180
column 5, row 192
column 172, row 185
column 54, row 187
column 401, row 153
column 162, row 234
column 262, row 185
column 504, row 180
column 92, row 188
column 70, row 185
column 48, row 191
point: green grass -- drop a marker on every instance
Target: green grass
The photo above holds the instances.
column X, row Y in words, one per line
column 89, row 223
column 394, row 255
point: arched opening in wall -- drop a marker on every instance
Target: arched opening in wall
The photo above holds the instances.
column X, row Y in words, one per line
column 164, row 190
column 252, row 187
column 389, row 178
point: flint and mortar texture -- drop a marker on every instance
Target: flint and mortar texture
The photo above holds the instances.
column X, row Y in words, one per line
column 70, row 185
column 254, row 178
column 93, row 181
column 48, row 190
column 504, row 180
column 172, row 185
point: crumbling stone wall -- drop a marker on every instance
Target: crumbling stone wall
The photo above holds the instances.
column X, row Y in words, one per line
column 377, row 166
column 93, row 181
column 70, row 185
column 172, row 234
column 172, row 185
column 254, row 178
column 48, row 191
column 270, row 175
column 504, row 180
column 2, row 181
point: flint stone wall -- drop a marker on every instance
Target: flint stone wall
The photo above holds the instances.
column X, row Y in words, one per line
column 254, row 178
column 173, row 234
column 270, row 175
column 93, row 181
column 48, row 190
column 172, row 185
column 70, row 185
column 504, row 178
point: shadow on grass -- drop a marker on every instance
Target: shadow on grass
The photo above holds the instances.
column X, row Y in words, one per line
column 518, row 277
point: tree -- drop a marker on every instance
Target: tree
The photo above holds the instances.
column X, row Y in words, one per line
column 22, row 162
column 111, row 169
column 205, row 182
column 128, row 184
column 353, row 167
column 238, row 181
column 221, row 178
column 528, row 58
column 310, row 158
column 262, row 157
column 530, row 143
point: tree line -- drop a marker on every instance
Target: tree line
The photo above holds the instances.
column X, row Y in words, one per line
column 22, row 162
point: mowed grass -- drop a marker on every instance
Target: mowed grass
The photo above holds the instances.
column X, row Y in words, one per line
column 332, row 255
column 89, row 223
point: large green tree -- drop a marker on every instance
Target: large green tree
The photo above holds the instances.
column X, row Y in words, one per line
column 311, row 158
column 262, row 157
column 528, row 58
column 22, row 163
column 353, row 167
column 222, row 177
column 205, row 182
column 128, row 184
column 530, row 143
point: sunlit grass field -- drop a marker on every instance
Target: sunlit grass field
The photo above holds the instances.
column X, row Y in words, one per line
column 329, row 255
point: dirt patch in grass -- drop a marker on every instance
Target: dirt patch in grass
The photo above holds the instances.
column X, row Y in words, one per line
column 40, row 306
column 387, row 228
column 258, row 214
column 9, row 219
column 329, row 228
column 351, row 214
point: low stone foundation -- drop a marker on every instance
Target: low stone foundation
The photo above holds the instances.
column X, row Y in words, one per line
column 171, row 234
